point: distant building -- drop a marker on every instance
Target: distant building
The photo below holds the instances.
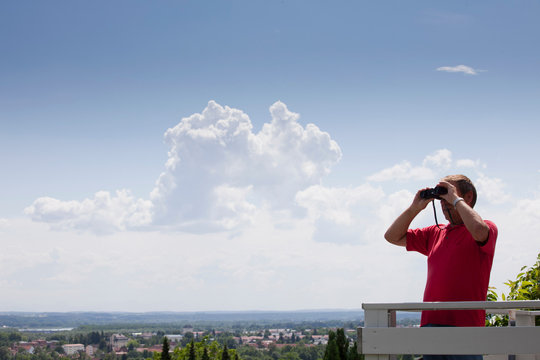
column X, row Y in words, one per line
column 176, row 338
column 118, row 341
column 155, row 348
column 144, row 335
column 25, row 346
column 186, row 329
column 320, row 339
column 42, row 343
column 71, row 349
column 90, row 350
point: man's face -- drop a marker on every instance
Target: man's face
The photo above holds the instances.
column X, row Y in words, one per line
column 450, row 213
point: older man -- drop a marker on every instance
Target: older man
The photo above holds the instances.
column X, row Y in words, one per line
column 459, row 254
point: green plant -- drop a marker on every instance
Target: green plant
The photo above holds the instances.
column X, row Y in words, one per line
column 525, row 287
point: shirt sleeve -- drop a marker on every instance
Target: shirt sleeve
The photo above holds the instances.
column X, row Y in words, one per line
column 489, row 246
column 417, row 240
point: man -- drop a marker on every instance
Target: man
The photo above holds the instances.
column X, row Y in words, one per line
column 459, row 254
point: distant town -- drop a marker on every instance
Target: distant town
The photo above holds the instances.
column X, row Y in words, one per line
column 144, row 342
column 272, row 336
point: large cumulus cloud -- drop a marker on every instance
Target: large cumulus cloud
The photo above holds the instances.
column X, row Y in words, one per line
column 219, row 172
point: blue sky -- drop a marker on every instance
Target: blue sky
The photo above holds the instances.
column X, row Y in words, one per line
column 399, row 95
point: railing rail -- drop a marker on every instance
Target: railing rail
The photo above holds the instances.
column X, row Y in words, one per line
column 379, row 339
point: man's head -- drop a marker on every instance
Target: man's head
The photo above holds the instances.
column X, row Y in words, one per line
column 464, row 186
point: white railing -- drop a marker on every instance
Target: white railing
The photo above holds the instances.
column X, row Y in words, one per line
column 379, row 339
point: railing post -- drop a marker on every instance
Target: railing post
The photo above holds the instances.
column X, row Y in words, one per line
column 378, row 318
column 392, row 323
column 521, row 318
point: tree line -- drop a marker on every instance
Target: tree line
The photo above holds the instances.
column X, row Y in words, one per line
column 338, row 348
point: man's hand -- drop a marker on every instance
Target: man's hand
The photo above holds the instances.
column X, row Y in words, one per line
column 419, row 203
column 397, row 232
column 462, row 212
column 452, row 194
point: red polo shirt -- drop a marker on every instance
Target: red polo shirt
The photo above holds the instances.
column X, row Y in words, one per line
column 458, row 269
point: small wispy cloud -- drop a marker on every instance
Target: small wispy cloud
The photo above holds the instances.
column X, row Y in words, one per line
column 460, row 68
column 3, row 223
column 404, row 171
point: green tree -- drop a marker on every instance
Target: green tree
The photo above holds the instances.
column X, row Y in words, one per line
column 225, row 353
column 14, row 336
column 527, row 283
column 192, row 355
column 102, row 345
column 332, row 351
column 342, row 343
column 132, row 344
column 310, row 352
column 205, row 354
column 289, row 354
column 165, row 350
column 59, row 349
column 93, row 337
column 112, row 356
column 353, row 353
column 188, row 337
column 5, row 354
column 22, row 355
column 525, row 287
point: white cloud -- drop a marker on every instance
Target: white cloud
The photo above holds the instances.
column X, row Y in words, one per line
column 401, row 172
column 217, row 149
column 394, row 205
column 191, row 271
column 459, row 68
column 432, row 165
column 274, row 253
column 337, row 204
column 517, row 246
column 103, row 214
column 527, row 212
column 492, row 189
column 234, row 199
column 218, row 173
column 468, row 163
column 232, row 206
column 440, row 159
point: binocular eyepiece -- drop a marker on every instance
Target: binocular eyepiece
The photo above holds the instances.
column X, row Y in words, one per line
column 433, row 193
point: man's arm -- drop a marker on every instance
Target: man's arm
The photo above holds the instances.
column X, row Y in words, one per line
column 473, row 222
column 397, row 232
column 471, row 219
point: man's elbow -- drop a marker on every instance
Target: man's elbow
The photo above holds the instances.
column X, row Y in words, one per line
column 393, row 239
column 481, row 232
